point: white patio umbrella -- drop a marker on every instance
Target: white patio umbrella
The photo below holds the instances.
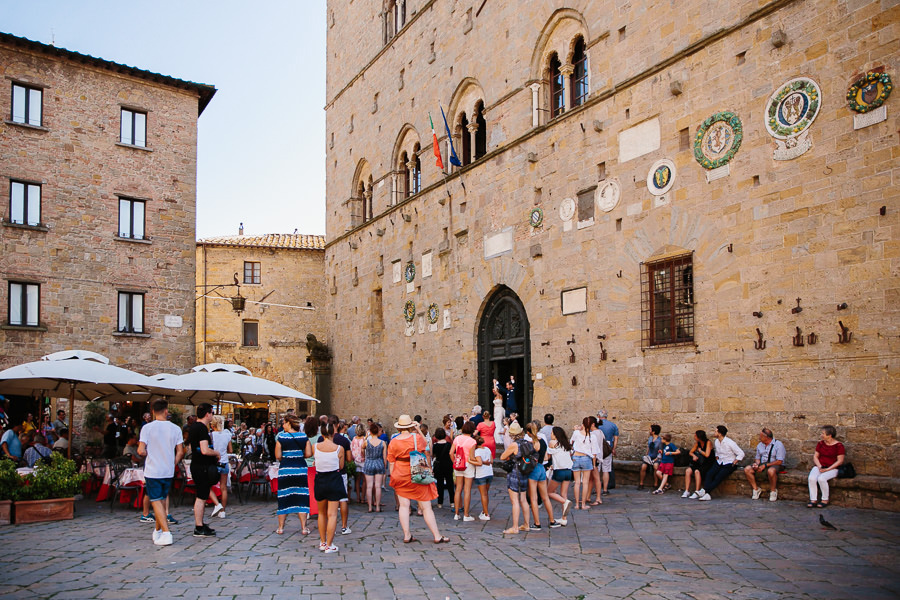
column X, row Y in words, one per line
column 215, row 367
column 227, row 385
column 76, row 374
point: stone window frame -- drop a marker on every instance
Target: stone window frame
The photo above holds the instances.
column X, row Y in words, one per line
column 244, row 337
column 39, row 225
column 557, row 86
column 393, row 19
column 23, row 325
column 134, row 111
column 28, row 87
column 130, row 326
column 580, row 76
column 255, row 272
column 656, row 287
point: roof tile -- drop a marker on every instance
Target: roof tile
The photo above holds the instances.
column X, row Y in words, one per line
column 270, row 240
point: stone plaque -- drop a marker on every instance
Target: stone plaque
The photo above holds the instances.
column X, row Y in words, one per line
column 397, row 271
column 567, row 209
column 574, row 301
column 607, row 195
column 867, row 119
column 446, row 318
column 426, row 265
column 718, row 173
column 498, row 243
column 421, row 324
column 173, row 321
column 410, row 288
column 639, row 140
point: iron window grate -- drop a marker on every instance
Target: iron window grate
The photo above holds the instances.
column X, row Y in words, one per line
column 667, row 302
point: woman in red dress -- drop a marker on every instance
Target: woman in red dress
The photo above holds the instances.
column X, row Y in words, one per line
column 401, row 479
column 487, row 429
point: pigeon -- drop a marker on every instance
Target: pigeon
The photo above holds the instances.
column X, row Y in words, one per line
column 826, row 524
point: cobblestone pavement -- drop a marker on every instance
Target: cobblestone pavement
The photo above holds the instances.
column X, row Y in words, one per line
column 634, row 546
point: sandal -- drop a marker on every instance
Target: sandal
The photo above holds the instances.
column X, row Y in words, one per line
column 279, row 531
column 597, row 503
column 810, row 505
column 524, row 527
column 410, row 540
column 305, row 531
column 822, row 504
column 443, row 540
column 510, row 531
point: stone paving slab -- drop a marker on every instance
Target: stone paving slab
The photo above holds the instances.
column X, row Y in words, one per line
column 634, row 546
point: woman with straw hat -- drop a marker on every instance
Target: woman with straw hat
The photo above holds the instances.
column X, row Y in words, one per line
column 408, row 440
column 516, row 482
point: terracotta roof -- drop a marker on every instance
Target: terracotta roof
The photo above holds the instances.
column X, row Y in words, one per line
column 270, row 240
column 205, row 91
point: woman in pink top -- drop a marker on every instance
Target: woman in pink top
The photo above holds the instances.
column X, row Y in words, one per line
column 463, row 470
column 829, row 456
column 487, row 429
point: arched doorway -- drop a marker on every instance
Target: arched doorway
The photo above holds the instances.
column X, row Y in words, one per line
column 504, row 350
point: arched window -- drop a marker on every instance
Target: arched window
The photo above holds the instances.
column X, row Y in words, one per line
column 394, row 19
column 466, row 157
column 481, row 132
column 405, row 183
column 417, row 170
column 557, row 88
column 360, row 217
column 369, row 200
column 579, row 77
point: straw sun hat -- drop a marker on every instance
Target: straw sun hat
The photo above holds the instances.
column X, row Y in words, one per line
column 404, row 422
column 515, row 428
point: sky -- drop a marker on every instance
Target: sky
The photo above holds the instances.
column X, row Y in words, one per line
column 261, row 142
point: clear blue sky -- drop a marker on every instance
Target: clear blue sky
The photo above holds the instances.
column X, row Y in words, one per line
column 261, row 148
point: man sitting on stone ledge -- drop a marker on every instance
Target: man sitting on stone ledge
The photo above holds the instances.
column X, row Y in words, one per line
column 770, row 455
column 728, row 455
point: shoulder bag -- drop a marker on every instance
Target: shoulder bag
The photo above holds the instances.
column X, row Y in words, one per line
column 419, row 470
column 846, row 471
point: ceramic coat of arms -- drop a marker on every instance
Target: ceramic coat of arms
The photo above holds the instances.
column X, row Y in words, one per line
column 790, row 112
column 718, row 140
column 607, row 195
column 866, row 98
column 661, row 177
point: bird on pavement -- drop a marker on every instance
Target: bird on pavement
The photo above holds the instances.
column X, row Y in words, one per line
column 826, row 524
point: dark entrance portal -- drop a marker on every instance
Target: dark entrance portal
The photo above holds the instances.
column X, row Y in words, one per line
column 504, row 350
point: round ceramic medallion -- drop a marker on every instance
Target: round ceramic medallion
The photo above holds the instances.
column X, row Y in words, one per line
column 869, row 92
column 536, row 217
column 432, row 313
column 567, row 209
column 409, row 311
column 718, row 140
column 410, row 272
column 607, row 195
column 792, row 108
column 661, row 177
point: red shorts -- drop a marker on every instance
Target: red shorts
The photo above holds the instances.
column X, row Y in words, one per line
column 666, row 468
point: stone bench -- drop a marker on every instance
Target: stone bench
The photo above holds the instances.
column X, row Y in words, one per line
column 863, row 491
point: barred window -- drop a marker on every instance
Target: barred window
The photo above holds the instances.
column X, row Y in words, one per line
column 667, row 302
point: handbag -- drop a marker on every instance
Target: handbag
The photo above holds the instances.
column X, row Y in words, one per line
column 846, row 471
column 607, row 449
column 419, row 470
column 459, row 459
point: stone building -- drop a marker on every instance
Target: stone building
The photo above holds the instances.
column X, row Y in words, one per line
column 666, row 209
column 99, row 168
column 281, row 280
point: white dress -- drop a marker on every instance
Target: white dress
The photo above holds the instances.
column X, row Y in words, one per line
column 499, row 414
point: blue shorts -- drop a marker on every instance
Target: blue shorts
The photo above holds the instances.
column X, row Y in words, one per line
column 582, row 463
column 157, row 489
column 478, row 481
column 224, row 468
column 560, row 475
column 539, row 473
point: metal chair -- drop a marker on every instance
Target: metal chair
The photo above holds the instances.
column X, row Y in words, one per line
column 117, row 467
column 186, row 483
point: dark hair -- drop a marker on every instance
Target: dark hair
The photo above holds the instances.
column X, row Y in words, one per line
column 160, row 405
column 373, row 428
column 311, row 427
column 479, row 441
column 293, row 420
column 768, row 433
column 586, row 423
column 468, row 428
column 328, row 430
column 655, row 429
column 204, row 409
column 64, row 431
column 560, row 434
column 459, row 422
column 417, row 418
column 829, row 430
column 548, row 419
column 722, row 429
column 440, row 434
column 667, row 437
column 60, row 411
column 701, row 435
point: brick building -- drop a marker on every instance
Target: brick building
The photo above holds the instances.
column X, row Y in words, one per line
column 668, row 210
column 281, row 278
column 99, row 164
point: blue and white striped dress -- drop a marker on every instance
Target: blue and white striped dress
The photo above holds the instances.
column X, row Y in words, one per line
column 293, row 485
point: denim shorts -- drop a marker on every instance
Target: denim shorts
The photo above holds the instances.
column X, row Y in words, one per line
column 483, row 480
column 582, row 463
column 539, row 473
column 224, row 468
column 560, row 475
column 157, row 489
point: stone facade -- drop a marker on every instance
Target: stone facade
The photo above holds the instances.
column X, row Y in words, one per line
column 288, row 303
column 762, row 235
column 76, row 254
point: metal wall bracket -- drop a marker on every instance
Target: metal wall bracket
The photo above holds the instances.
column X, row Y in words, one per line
column 846, row 335
column 759, row 343
column 797, row 340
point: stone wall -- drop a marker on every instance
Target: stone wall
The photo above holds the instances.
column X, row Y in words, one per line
column 77, row 257
column 288, row 303
column 762, row 236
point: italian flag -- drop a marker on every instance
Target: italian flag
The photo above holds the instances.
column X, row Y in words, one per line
column 437, row 149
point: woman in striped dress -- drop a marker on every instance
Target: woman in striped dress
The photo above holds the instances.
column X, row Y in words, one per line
column 291, row 449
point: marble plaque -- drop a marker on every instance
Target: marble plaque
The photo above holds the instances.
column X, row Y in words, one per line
column 173, row 321
column 639, row 140
column 868, row 119
column 574, row 301
column 426, row 265
column 397, row 271
column 498, row 243
column 718, row 173
column 446, row 318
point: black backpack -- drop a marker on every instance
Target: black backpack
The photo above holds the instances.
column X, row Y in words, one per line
column 525, row 462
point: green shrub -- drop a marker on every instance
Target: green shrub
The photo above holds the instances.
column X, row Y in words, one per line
column 10, row 481
column 176, row 416
column 94, row 418
column 57, row 479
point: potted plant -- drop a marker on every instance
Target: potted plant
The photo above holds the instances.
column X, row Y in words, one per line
column 10, row 482
column 93, row 422
column 48, row 494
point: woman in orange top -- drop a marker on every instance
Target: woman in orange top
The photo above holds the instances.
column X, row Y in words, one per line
column 401, row 479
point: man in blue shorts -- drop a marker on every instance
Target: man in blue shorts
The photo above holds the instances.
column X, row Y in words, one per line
column 161, row 444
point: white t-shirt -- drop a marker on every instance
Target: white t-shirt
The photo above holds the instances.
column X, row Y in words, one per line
column 220, row 441
column 160, row 437
column 484, row 470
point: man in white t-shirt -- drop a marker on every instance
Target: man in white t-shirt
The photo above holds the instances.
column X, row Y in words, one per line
column 161, row 443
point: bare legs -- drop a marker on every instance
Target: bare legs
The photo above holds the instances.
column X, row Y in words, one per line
column 427, row 513
column 160, row 510
column 687, row 478
column 373, row 487
column 581, row 488
column 468, row 498
column 328, row 510
column 283, row 518
column 460, row 483
column 518, row 500
column 535, row 488
column 563, row 496
column 483, row 492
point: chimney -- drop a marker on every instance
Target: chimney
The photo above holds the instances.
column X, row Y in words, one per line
column 241, row 229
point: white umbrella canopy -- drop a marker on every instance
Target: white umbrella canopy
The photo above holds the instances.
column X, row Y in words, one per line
column 225, row 386
column 215, row 367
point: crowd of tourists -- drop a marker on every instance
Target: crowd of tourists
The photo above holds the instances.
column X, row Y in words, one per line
column 29, row 441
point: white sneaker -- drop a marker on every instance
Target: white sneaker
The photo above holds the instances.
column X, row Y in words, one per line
column 484, row 517
column 156, row 533
column 705, row 497
column 773, row 495
column 331, row 549
column 164, row 539
column 221, row 514
column 345, row 531
column 219, row 508
column 701, row 492
column 456, row 517
column 756, row 494
column 694, row 496
column 468, row 519
column 686, row 494
column 323, row 546
column 563, row 522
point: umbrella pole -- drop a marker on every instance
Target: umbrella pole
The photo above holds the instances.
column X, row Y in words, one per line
column 71, row 415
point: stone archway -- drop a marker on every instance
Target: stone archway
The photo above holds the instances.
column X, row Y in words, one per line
column 504, row 350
